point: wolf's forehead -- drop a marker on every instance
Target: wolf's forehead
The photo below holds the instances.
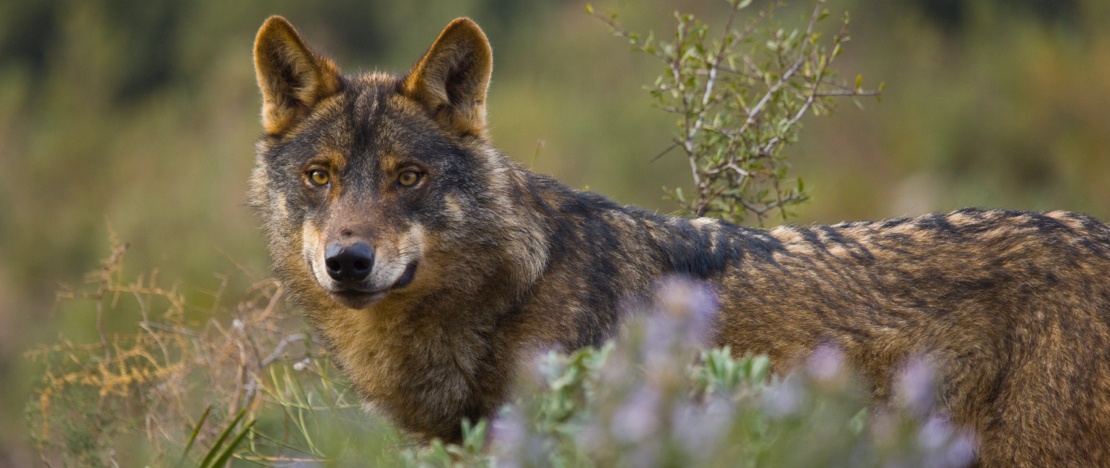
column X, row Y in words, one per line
column 368, row 103
column 376, row 106
column 376, row 119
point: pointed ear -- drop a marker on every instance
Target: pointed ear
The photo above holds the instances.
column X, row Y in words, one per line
column 292, row 77
column 452, row 78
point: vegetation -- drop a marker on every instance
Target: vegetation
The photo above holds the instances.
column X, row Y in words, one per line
column 140, row 115
column 199, row 389
column 200, row 393
column 739, row 100
column 270, row 396
column 653, row 399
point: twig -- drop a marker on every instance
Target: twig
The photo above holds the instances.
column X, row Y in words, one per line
column 280, row 348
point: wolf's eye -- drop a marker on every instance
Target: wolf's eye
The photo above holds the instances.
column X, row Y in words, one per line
column 318, row 177
column 408, row 178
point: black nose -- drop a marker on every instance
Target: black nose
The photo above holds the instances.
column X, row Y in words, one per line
column 350, row 263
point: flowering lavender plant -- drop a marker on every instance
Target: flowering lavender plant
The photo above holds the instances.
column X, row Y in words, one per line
column 654, row 398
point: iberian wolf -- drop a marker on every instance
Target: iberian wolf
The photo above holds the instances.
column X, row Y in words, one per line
column 433, row 266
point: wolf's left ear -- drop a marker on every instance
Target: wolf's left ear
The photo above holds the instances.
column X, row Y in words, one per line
column 450, row 81
column 291, row 76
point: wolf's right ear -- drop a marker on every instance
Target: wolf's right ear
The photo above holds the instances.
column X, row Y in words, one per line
column 292, row 78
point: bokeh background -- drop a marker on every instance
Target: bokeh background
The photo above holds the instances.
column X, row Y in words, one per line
column 136, row 119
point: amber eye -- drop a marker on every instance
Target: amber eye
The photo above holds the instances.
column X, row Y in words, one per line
column 408, row 178
column 319, row 177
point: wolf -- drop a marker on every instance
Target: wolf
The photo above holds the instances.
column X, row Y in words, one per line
column 432, row 266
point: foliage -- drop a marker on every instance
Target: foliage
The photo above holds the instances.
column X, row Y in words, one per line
column 255, row 389
column 220, row 385
column 203, row 393
column 739, row 100
column 653, row 399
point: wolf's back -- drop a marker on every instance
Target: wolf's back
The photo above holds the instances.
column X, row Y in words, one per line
column 1012, row 310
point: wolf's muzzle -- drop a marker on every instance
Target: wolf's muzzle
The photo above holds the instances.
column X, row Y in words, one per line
column 349, row 264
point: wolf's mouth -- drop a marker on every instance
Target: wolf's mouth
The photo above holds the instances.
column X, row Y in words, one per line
column 357, row 298
column 406, row 277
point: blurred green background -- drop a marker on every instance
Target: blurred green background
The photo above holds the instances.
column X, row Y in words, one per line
column 138, row 118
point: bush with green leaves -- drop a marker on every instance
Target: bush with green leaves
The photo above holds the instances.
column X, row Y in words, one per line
column 738, row 98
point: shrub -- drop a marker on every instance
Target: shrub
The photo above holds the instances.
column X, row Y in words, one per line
column 739, row 99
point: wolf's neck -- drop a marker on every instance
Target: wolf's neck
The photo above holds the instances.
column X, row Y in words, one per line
column 604, row 259
column 592, row 226
column 698, row 247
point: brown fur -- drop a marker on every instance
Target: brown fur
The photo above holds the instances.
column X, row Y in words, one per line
column 480, row 263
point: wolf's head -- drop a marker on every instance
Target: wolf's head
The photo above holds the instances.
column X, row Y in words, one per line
column 380, row 187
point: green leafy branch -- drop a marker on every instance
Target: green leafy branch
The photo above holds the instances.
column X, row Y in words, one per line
column 740, row 99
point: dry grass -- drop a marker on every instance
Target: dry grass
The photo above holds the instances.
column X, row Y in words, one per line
column 161, row 379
